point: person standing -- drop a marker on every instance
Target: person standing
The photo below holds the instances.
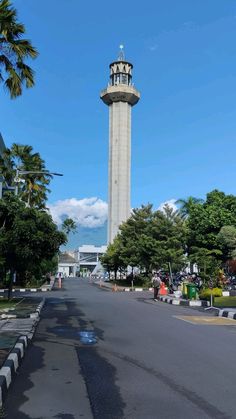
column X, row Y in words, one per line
column 156, row 282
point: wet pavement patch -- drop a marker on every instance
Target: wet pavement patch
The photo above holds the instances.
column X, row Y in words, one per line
column 100, row 379
column 87, row 337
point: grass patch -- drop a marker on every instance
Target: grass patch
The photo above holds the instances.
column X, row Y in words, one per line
column 5, row 303
column 225, row 302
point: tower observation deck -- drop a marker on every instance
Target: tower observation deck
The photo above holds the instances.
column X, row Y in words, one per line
column 120, row 96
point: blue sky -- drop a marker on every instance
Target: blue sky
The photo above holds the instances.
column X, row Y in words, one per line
column 183, row 128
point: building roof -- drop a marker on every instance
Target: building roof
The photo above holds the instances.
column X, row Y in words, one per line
column 89, row 248
column 65, row 258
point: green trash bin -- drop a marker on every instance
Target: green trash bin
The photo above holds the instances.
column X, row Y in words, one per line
column 191, row 291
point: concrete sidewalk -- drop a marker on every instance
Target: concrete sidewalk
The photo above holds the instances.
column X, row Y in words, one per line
column 16, row 332
column 50, row 383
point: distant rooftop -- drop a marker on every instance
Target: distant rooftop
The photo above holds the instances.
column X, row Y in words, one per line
column 90, row 248
column 66, row 258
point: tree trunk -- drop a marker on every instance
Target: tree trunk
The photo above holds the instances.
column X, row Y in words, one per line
column 10, row 284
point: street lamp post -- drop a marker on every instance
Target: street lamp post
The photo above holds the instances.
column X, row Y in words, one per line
column 31, row 172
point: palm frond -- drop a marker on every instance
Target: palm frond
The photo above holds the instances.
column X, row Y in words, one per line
column 13, row 50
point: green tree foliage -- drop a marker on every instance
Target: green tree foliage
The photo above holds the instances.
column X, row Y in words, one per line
column 32, row 188
column 134, row 237
column 14, row 51
column 29, row 239
column 208, row 261
column 148, row 240
column 186, row 205
column 205, row 220
column 69, row 225
column 169, row 232
column 112, row 260
column 227, row 240
column 204, row 232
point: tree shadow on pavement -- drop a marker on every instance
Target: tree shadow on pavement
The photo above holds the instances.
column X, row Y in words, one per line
column 32, row 363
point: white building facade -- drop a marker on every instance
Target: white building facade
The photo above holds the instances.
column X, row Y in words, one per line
column 82, row 261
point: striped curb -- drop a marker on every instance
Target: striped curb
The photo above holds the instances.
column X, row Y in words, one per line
column 43, row 288
column 227, row 313
column 3, row 290
column 179, row 302
column 119, row 288
column 11, row 365
column 165, row 299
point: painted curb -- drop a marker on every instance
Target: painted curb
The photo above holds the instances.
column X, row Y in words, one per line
column 166, row 299
column 10, row 366
column 227, row 313
column 179, row 302
column 3, row 290
column 43, row 288
column 119, row 288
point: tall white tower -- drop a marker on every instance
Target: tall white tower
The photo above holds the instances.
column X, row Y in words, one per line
column 120, row 96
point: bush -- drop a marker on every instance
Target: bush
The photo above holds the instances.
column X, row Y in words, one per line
column 139, row 281
column 205, row 294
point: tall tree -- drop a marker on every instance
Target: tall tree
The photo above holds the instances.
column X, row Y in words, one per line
column 227, row 240
column 186, row 205
column 29, row 239
column 134, row 238
column 14, row 50
column 112, row 260
column 206, row 220
column 169, row 233
column 149, row 240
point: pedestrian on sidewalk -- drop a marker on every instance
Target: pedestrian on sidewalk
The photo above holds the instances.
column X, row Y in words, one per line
column 156, row 283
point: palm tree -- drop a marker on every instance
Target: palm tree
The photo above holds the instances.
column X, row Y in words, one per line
column 34, row 188
column 186, row 205
column 14, row 73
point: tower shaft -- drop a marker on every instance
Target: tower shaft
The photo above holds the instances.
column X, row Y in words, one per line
column 119, row 166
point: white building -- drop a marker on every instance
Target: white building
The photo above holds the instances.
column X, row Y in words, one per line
column 80, row 262
column 89, row 258
column 68, row 264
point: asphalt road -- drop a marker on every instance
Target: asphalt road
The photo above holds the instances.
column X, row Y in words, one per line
column 146, row 362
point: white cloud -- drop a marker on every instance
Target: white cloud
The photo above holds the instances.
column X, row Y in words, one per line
column 87, row 212
column 170, row 202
